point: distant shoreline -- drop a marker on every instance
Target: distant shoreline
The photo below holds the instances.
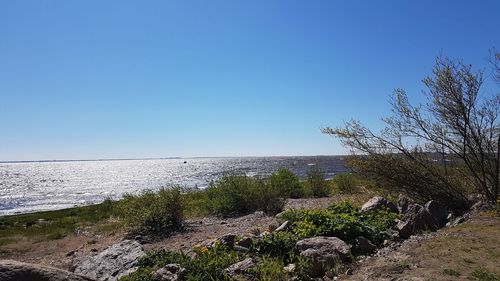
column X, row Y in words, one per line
column 153, row 158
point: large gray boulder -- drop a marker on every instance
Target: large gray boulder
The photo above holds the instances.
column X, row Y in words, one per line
column 19, row 271
column 324, row 252
column 415, row 220
column 114, row 262
column 377, row 203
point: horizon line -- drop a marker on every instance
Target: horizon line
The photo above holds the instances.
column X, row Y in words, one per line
column 156, row 158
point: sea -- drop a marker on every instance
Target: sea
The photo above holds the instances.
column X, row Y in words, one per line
column 27, row 187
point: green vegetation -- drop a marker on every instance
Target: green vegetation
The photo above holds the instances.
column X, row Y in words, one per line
column 277, row 245
column 270, row 269
column 238, row 195
column 54, row 224
column 341, row 220
column 152, row 213
column 316, row 183
column 345, row 183
column 208, row 264
column 286, row 183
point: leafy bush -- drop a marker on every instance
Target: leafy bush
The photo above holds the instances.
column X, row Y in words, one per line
column 341, row 220
column 345, row 183
column 269, row 199
column 317, row 183
column 238, row 195
column 152, row 213
column 209, row 264
column 287, row 183
column 232, row 195
column 279, row 245
column 270, row 269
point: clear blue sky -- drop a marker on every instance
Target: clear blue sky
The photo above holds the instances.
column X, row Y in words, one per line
column 118, row 79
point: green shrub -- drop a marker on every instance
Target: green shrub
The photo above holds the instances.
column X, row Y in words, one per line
column 287, row 183
column 345, row 183
column 304, row 268
column 152, row 213
column 270, row 269
column 317, row 183
column 238, row 195
column 269, row 199
column 232, row 195
column 208, row 264
column 279, row 245
column 341, row 220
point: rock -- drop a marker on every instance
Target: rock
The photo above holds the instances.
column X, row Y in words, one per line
column 438, row 211
column 240, row 267
column 377, row 203
column 363, row 246
column 403, row 203
column 20, row 271
column 457, row 221
column 112, row 263
column 290, row 268
column 246, row 242
column 264, row 234
column 405, row 229
column 415, row 220
column 170, row 272
column 282, row 227
column 227, row 239
column 480, row 206
column 241, row 249
column 324, row 252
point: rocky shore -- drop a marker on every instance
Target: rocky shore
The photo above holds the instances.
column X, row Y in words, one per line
column 417, row 225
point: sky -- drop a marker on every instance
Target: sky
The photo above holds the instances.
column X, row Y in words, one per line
column 138, row 79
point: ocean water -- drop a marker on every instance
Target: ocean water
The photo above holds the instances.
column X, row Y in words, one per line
column 36, row 186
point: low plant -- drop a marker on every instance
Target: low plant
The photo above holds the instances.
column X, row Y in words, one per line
column 208, row 264
column 342, row 220
column 50, row 225
column 270, row 269
column 153, row 213
column 279, row 245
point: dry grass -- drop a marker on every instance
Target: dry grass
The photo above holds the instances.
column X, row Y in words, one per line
column 470, row 251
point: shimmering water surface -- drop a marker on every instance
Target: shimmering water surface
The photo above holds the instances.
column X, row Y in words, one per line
column 36, row 186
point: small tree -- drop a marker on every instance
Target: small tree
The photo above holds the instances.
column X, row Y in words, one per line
column 456, row 125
